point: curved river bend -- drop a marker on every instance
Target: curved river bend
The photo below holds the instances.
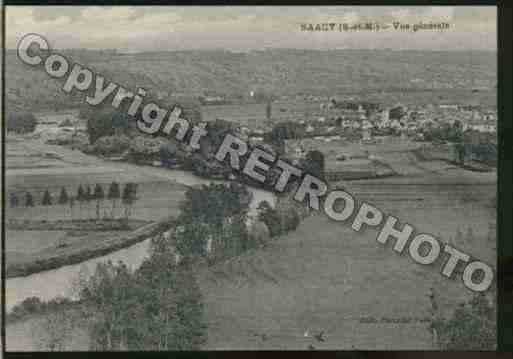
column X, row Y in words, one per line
column 61, row 281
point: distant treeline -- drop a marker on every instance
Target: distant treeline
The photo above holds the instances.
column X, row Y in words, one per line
column 281, row 72
column 84, row 197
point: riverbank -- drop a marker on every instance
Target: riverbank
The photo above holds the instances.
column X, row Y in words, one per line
column 82, row 251
column 74, row 225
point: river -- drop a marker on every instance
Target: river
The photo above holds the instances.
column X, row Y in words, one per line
column 60, row 282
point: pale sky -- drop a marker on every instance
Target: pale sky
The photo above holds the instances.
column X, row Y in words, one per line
column 149, row 28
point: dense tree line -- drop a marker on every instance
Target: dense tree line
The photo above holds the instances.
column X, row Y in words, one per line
column 444, row 133
column 105, row 122
column 213, row 219
column 157, row 307
column 85, row 197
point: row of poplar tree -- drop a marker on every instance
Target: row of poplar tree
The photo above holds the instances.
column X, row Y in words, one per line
column 85, row 196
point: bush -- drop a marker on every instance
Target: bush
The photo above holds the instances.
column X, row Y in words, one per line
column 279, row 220
column 111, row 145
column 105, row 123
column 79, row 140
column 313, row 164
column 145, row 149
column 471, row 327
column 185, row 161
column 208, row 168
column 168, row 152
column 444, row 133
column 34, row 305
column 28, row 306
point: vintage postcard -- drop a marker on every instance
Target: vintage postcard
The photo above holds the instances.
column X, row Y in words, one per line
column 250, row 178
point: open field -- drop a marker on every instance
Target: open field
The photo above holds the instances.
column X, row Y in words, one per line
column 24, row 249
column 23, row 241
column 326, row 277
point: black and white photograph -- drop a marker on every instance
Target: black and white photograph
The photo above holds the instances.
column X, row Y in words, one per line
column 250, row 178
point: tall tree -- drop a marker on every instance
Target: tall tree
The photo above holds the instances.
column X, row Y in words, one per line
column 129, row 197
column 80, row 198
column 88, row 197
column 314, row 164
column 29, row 200
column 126, row 198
column 47, row 199
column 135, row 197
column 107, row 292
column 55, row 331
column 63, row 199
column 99, row 196
column 13, row 200
column 71, row 206
column 277, row 138
column 114, row 195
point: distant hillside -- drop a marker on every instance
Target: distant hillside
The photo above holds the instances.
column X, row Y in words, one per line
column 280, row 72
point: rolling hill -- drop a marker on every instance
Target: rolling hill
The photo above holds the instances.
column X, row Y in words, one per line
column 381, row 74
